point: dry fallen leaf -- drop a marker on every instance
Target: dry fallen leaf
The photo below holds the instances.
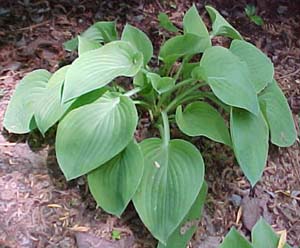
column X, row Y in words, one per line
column 78, row 228
column 251, row 212
column 282, row 239
column 54, row 206
column 239, row 215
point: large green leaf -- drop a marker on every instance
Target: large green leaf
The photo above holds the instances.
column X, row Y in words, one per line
column 91, row 135
column 98, row 67
column 139, row 40
column 188, row 69
column 85, row 45
column 260, row 66
column 58, row 76
column 172, row 179
column 278, row 115
column 114, row 183
column 165, row 23
column 20, row 110
column 220, row 26
column 42, row 100
column 250, row 136
column 193, row 24
column 200, row 118
column 235, row 240
column 103, row 32
column 263, row 236
column 49, row 107
column 229, row 78
column 184, row 232
column 88, row 98
column 161, row 84
column 181, row 45
column 140, row 80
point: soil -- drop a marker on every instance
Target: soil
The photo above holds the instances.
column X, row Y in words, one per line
column 38, row 208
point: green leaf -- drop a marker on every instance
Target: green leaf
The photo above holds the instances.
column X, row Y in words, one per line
column 263, row 236
column 214, row 99
column 140, row 80
column 220, row 26
column 229, row 78
column 165, row 23
column 100, row 32
column 189, row 225
column 278, row 115
column 71, row 45
column 85, row 45
column 234, row 239
column 44, row 99
column 139, row 40
column 49, row 108
column 198, row 73
column 172, row 179
column 250, row 10
column 250, row 136
column 58, row 76
column 93, row 134
column 116, row 235
column 114, row 183
column 98, row 67
column 20, row 110
column 188, row 68
column 161, row 84
column 181, row 45
column 257, row 20
column 88, row 98
column 193, row 24
column 201, row 119
column 260, row 66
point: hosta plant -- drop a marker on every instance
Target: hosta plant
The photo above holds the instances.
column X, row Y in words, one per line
column 228, row 95
column 262, row 236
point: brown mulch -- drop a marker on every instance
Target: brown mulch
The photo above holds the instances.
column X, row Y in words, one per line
column 39, row 209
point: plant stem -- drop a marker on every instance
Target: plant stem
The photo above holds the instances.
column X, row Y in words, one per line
column 133, row 91
column 179, row 70
column 185, row 60
column 191, row 98
column 166, row 130
column 167, row 94
column 144, row 70
column 182, row 83
column 142, row 103
column 181, row 97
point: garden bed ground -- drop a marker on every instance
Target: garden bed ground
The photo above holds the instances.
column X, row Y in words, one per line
column 38, row 208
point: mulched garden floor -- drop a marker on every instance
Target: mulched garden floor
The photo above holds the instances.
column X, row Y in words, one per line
column 38, row 208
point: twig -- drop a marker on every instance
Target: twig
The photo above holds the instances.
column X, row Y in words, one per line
column 159, row 5
column 34, row 26
column 8, row 144
column 290, row 74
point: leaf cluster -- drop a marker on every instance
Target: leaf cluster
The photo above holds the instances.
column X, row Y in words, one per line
column 98, row 115
column 262, row 236
column 250, row 11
